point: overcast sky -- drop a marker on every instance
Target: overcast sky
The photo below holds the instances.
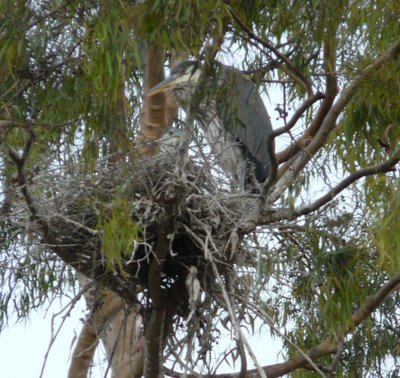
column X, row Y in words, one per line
column 24, row 345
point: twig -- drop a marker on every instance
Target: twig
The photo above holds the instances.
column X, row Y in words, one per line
column 54, row 336
column 329, row 121
column 329, row 345
column 238, row 332
column 326, row 347
column 297, row 74
column 299, row 112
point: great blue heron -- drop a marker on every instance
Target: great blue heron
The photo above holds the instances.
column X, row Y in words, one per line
column 232, row 115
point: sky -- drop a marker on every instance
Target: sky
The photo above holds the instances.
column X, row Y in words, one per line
column 24, row 345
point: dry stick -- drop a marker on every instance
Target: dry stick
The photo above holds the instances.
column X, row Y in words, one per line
column 238, row 332
column 239, row 343
column 71, row 305
column 238, row 335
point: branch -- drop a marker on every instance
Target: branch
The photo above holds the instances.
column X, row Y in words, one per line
column 387, row 166
column 237, row 330
column 329, row 345
column 329, row 121
column 326, row 347
column 155, row 329
column 273, row 157
column 299, row 112
column 19, row 161
column 54, row 333
column 331, row 91
column 293, row 72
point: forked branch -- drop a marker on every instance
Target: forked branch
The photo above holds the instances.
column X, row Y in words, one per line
column 329, row 122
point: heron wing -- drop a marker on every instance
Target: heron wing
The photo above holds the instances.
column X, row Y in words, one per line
column 245, row 115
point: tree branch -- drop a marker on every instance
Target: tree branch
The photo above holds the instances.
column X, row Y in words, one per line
column 19, row 161
column 326, row 347
column 331, row 90
column 292, row 71
column 299, row 112
column 329, row 345
column 387, row 166
column 329, row 121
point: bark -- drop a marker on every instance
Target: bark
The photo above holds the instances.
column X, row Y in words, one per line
column 153, row 114
column 119, row 331
column 83, row 353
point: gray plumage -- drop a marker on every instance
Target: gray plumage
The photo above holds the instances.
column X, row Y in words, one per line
column 232, row 115
column 170, row 140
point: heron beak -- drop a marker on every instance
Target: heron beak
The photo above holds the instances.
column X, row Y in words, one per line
column 174, row 81
column 168, row 83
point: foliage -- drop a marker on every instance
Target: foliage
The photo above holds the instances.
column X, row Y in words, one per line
column 71, row 79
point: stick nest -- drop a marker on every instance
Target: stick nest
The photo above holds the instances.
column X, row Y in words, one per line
column 115, row 220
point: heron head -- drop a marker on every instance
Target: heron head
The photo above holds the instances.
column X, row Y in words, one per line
column 183, row 75
column 170, row 139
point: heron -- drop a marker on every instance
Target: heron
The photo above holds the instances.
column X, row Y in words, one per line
column 232, row 115
column 170, row 140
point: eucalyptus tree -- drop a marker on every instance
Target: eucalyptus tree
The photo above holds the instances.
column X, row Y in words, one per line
column 166, row 252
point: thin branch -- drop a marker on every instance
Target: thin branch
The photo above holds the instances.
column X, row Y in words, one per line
column 329, row 121
column 329, row 345
column 299, row 112
column 82, row 355
column 238, row 332
column 19, row 160
column 387, row 166
column 298, row 75
column 28, row 123
column 69, row 307
column 326, row 347
column 273, row 157
column 331, row 90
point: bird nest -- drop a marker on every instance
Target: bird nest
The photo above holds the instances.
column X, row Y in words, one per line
column 112, row 223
